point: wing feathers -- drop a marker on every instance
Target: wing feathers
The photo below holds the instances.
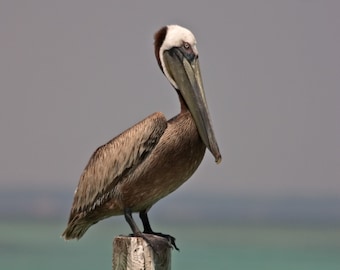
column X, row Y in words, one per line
column 114, row 160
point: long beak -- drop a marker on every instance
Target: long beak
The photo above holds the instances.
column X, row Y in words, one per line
column 187, row 76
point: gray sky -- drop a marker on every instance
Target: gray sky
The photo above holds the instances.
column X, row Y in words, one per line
column 74, row 74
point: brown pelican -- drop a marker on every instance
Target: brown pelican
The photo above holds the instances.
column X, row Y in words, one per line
column 153, row 158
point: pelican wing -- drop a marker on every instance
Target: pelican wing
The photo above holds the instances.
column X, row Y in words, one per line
column 112, row 161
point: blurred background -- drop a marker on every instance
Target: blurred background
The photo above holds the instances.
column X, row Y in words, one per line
column 74, row 74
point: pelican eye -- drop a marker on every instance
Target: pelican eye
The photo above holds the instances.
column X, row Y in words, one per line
column 186, row 45
column 187, row 51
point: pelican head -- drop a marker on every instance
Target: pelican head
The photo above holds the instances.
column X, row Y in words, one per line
column 177, row 57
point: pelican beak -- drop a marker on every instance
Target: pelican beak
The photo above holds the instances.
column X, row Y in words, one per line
column 185, row 72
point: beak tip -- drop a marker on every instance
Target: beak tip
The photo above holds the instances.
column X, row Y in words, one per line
column 218, row 158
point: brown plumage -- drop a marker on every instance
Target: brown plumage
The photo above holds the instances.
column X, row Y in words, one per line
column 153, row 158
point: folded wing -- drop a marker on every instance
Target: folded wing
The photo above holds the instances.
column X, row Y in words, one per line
column 112, row 161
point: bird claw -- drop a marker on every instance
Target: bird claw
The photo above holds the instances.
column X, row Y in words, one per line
column 158, row 241
column 171, row 239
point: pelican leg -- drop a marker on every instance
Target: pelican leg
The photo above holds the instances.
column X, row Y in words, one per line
column 129, row 219
column 146, row 223
column 155, row 242
column 147, row 229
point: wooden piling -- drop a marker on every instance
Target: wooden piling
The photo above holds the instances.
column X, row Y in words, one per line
column 134, row 253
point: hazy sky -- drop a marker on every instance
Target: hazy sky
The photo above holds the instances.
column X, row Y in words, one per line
column 73, row 74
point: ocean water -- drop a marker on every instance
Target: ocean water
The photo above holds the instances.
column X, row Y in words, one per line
column 37, row 245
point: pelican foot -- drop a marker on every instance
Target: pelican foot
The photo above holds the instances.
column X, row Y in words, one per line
column 171, row 239
column 156, row 242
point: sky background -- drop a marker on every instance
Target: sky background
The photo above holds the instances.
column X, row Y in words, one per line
column 74, row 74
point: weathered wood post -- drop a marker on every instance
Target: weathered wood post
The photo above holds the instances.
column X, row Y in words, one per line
column 134, row 253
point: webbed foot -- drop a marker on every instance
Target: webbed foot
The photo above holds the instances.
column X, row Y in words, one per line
column 171, row 239
column 157, row 242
